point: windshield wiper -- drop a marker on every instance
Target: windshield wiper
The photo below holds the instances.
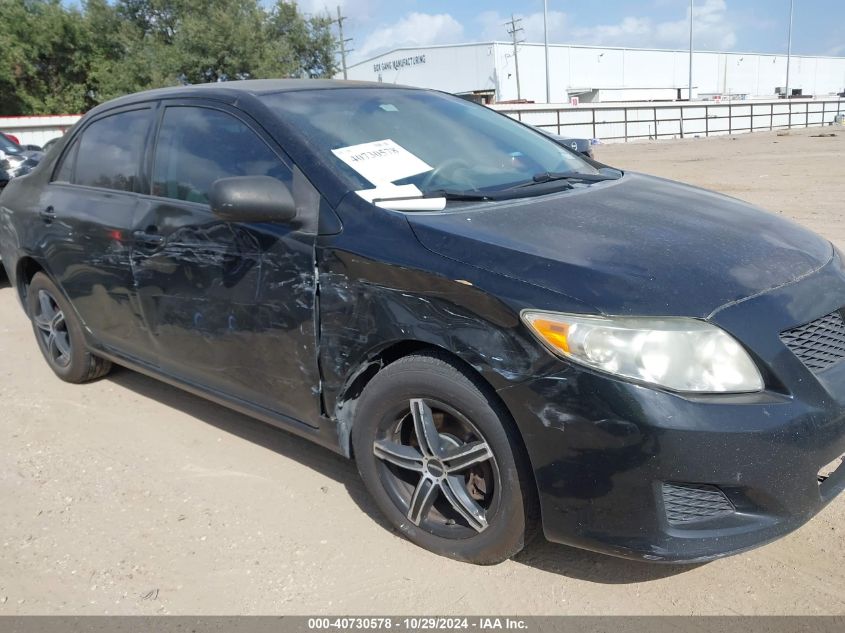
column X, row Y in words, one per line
column 551, row 176
column 457, row 195
column 440, row 193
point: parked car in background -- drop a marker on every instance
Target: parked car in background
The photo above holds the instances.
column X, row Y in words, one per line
column 581, row 145
column 16, row 141
column 16, row 160
column 502, row 333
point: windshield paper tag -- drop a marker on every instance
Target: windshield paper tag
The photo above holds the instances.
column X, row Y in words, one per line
column 390, row 191
column 401, row 198
column 381, row 162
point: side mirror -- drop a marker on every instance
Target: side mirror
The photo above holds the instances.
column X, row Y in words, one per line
column 251, row 199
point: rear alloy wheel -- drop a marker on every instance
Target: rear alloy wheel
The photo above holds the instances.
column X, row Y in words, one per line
column 443, row 461
column 59, row 333
column 51, row 328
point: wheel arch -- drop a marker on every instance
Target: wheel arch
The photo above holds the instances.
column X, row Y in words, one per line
column 27, row 267
column 377, row 362
column 344, row 411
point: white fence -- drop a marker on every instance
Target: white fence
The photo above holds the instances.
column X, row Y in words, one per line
column 621, row 122
column 37, row 130
column 609, row 122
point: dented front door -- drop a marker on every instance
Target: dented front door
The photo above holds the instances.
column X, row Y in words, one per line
column 229, row 306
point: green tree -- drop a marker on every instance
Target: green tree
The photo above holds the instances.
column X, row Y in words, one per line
column 158, row 19
column 219, row 40
column 123, row 58
column 43, row 65
column 57, row 58
column 300, row 46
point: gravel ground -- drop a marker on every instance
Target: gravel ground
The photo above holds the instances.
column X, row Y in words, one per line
column 129, row 496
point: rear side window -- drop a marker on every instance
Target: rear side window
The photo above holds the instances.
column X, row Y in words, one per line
column 109, row 152
column 65, row 171
column 197, row 146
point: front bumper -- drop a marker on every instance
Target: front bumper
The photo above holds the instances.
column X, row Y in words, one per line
column 603, row 450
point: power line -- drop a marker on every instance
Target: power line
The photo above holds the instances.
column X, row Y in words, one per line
column 343, row 49
column 514, row 30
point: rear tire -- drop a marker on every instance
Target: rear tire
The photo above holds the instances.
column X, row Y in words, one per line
column 59, row 333
column 465, row 491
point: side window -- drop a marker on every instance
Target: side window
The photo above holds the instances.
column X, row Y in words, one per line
column 197, row 146
column 65, row 171
column 110, row 150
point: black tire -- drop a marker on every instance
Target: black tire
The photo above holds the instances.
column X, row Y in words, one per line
column 59, row 333
column 466, row 415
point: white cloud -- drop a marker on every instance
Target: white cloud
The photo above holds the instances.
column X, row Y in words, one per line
column 630, row 31
column 414, row 29
column 493, row 26
column 359, row 11
column 713, row 30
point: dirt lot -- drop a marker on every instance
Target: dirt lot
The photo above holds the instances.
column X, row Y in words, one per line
column 129, row 496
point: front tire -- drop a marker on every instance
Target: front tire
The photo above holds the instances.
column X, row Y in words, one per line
column 59, row 333
column 443, row 461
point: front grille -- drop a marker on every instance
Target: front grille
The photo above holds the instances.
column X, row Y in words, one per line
column 819, row 344
column 686, row 503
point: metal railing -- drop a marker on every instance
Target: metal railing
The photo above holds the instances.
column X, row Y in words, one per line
column 632, row 121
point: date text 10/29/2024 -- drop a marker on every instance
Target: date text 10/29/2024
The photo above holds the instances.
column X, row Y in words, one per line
column 417, row 624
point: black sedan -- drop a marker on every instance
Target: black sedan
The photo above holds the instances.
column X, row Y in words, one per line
column 502, row 334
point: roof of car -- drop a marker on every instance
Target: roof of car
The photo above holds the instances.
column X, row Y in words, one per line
column 231, row 90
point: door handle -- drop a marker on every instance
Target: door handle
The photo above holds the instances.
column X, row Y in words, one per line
column 148, row 239
column 48, row 214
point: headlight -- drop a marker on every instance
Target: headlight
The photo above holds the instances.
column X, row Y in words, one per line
column 676, row 353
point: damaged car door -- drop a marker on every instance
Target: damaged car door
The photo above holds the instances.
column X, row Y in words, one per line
column 228, row 305
column 86, row 215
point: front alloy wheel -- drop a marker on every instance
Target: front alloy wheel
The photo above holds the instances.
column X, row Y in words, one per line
column 443, row 460
column 439, row 469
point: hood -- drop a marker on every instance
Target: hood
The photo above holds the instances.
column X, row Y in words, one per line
column 637, row 246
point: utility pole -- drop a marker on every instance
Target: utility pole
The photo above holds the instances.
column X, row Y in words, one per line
column 514, row 31
column 789, row 46
column 546, row 46
column 691, row 29
column 343, row 49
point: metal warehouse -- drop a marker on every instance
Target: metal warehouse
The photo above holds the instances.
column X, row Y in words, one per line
column 488, row 72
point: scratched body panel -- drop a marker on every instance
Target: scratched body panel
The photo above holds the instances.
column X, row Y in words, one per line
column 387, row 289
column 231, row 306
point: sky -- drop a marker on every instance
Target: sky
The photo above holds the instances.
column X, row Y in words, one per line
column 761, row 26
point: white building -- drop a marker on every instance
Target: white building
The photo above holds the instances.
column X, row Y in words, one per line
column 593, row 73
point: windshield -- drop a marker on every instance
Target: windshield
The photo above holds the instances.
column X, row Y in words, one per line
column 376, row 137
column 8, row 147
